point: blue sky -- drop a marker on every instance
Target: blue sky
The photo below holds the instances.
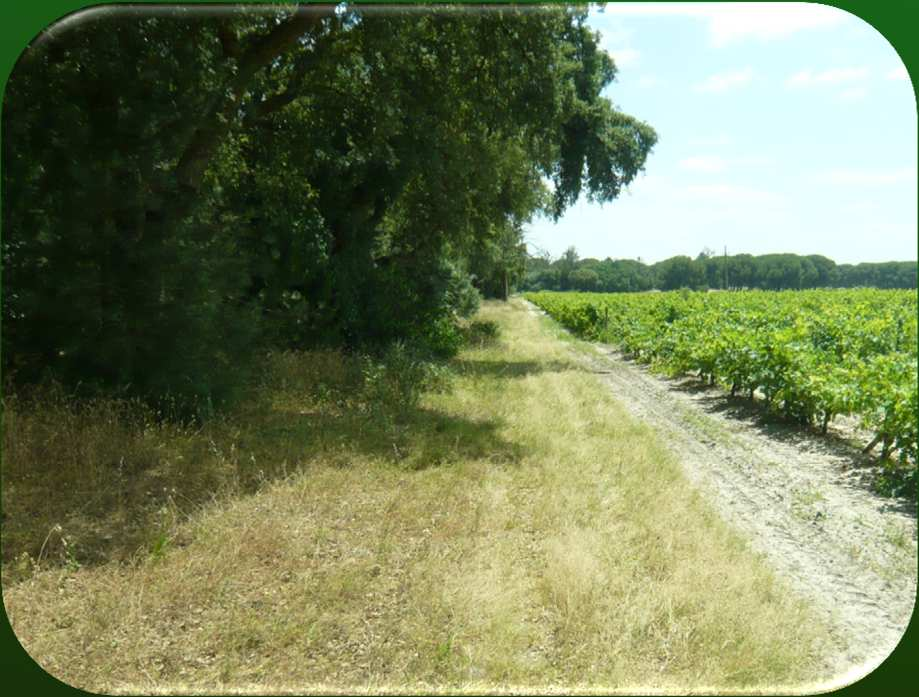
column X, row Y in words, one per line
column 784, row 127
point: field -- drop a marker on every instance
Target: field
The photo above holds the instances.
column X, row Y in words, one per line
column 810, row 355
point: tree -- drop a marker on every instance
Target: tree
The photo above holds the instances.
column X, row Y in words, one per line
column 715, row 268
column 107, row 127
column 182, row 187
column 498, row 262
column 742, row 271
column 680, row 272
column 585, row 279
column 827, row 275
column 566, row 265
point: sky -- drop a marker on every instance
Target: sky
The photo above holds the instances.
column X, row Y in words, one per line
column 786, row 127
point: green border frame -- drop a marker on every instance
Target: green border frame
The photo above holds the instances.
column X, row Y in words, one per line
column 21, row 22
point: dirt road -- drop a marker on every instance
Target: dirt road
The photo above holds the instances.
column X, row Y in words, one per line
column 801, row 499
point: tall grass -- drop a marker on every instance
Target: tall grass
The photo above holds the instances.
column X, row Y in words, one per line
column 88, row 481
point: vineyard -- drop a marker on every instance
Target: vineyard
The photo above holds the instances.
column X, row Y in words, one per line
column 810, row 355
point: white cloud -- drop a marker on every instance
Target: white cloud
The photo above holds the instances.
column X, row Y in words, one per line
column 616, row 43
column 704, row 163
column 756, row 160
column 853, row 94
column 740, row 21
column 624, row 56
column 898, row 73
column 868, row 177
column 613, row 31
column 732, row 22
column 800, row 79
column 832, row 76
column 722, row 82
column 728, row 194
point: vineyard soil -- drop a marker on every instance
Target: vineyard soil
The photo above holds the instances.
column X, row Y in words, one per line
column 802, row 499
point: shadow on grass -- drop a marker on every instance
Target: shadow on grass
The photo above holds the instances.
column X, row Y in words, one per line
column 416, row 439
column 64, row 513
column 510, row 369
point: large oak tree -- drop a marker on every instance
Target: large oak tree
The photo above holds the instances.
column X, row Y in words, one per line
column 183, row 185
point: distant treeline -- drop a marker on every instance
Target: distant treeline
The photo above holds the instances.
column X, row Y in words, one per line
column 768, row 272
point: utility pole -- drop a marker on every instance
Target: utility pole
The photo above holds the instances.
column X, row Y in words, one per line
column 725, row 267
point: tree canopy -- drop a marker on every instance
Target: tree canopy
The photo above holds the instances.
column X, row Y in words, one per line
column 182, row 187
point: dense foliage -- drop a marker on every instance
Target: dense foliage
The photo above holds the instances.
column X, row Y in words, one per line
column 708, row 270
column 182, row 187
column 811, row 355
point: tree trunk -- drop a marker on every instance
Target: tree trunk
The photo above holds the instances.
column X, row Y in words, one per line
column 209, row 129
column 868, row 448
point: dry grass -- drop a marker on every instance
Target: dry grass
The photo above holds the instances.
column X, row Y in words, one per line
column 90, row 481
column 515, row 533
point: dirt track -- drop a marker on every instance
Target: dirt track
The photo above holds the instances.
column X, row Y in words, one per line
column 802, row 500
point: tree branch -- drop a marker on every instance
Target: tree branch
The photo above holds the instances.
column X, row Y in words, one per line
column 214, row 124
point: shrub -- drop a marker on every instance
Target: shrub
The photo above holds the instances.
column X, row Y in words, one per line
column 394, row 382
column 481, row 334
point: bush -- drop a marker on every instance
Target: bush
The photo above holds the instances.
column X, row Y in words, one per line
column 462, row 296
column 393, row 384
column 387, row 384
column 441, row 339
column 481, row 334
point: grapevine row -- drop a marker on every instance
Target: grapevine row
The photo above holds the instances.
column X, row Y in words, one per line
column 811, row 355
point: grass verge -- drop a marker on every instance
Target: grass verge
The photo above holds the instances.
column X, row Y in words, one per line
column 515, row 532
